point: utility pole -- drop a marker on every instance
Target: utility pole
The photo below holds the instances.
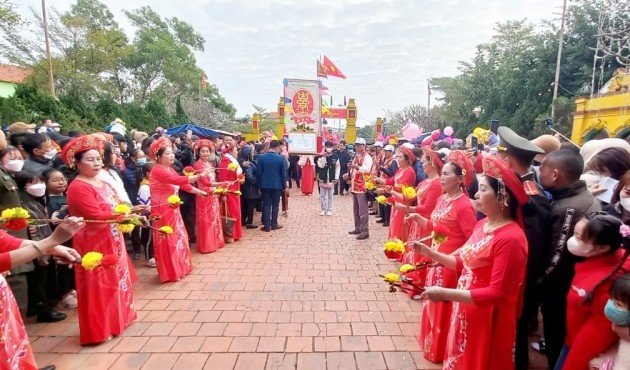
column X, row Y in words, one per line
column 556, row 82
column 51, row 81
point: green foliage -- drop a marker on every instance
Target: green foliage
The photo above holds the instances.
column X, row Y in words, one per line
column 99, row 74
column 511, row 77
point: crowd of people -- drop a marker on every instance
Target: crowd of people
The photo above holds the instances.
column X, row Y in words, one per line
column 494, row 235
column 85, row 190
column 497, row 235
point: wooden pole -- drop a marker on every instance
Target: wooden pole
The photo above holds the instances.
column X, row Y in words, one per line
column 51, row 80
column 556, row 81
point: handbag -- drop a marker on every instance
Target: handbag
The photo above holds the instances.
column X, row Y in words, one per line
column 227, row 222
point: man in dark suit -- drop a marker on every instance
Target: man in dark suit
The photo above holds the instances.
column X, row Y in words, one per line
column 271, row 177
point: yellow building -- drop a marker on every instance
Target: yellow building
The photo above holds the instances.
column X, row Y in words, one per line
column 605, row 115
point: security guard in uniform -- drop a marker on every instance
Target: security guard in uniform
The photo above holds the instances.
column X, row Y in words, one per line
column 518, row 153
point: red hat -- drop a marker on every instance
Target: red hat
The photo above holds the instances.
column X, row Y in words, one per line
column 158, row 144
column 203, row 143
column 81, row 144
column 460, row 158
column 498, row 169
column 435, row 159
column 406, row 151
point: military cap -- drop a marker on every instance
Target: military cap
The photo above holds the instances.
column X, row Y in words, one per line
column 517, row 146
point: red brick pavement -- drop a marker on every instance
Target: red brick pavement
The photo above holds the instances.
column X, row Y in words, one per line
column 304, row 297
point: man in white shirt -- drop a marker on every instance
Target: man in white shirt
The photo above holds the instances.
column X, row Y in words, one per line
column 361, row 165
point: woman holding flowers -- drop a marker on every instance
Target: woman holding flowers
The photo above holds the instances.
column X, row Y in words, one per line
column 15, row 351
column 428, row 192
column 170, row 242
column 492, row 265
column 229, row 171
column 208, row 216
column 404, row 178
column 451, row 223
column 105, row 295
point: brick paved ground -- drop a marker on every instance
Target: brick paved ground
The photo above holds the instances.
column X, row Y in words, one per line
column 303, row 297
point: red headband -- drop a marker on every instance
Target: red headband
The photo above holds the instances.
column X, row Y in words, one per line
column 460, row 158
column 158, row 144
column 203, row 143
column 434, row 158
column 406, row 151
column 81, row 144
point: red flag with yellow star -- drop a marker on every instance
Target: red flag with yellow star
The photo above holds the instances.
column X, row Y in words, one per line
column 332, row 69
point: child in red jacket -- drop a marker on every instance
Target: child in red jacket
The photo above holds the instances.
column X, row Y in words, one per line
column 597, row 239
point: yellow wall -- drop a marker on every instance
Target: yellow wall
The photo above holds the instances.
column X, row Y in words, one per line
column 607, row 115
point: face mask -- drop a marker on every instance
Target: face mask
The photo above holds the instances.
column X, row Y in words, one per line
column 578, row 249
column 141, row 161
column 36, row 190
column 14, row 165
column 625, row 203
column 616, row 315
column 50, row 154
column 328, row 150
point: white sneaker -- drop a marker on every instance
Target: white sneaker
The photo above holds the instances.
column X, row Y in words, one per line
column 329, row 213
column 69, row 301
column 322, row 213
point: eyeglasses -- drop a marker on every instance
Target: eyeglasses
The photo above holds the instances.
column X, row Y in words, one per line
column 61, row 179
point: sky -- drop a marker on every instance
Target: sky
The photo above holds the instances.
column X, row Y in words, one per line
column 386, row 48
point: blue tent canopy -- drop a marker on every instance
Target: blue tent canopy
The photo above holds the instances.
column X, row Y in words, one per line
column 197, row 130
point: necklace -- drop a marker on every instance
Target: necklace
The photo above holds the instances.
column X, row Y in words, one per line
column 489, row 228
column 453, row 197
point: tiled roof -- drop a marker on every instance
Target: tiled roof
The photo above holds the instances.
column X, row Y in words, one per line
column 13, row 74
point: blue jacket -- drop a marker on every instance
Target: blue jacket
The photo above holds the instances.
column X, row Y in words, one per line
column 271, row 172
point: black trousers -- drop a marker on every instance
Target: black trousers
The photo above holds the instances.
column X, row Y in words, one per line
column 248, row 206
column 342, row 185
column 386, row 212
column 554, row 313
column 271, row 204
column 38, row 285
column 141, row 237
column 531, row 304
column 188, row 213
column 295, row 174
column 19, row 286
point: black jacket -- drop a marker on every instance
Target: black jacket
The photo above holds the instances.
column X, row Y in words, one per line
column 249, row 189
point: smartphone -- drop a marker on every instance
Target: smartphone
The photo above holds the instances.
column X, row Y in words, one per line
column 494, row 126
column 481, row 147
column 474, row 142
column 189, row 134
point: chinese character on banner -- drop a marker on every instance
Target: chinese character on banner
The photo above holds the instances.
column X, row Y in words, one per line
column 302, row 105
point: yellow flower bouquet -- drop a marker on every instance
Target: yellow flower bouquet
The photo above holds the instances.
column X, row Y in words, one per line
column 394, row 249
column 14, row 219
column 232, row 166
column 174, row 201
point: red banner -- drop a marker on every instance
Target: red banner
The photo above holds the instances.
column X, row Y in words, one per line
column 336, row 113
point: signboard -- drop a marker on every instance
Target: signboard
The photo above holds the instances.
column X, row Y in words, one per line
column 302, row 106
column 303, row 142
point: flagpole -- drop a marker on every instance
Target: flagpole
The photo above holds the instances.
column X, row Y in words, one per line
column 428, row 96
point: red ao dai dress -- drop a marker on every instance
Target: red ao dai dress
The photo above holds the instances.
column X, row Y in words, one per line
column 105, row 295
column 428, row 192
column 403, row 177
column 208, row 213
column 172, row 253
column 15, row 349
column 232, row 201
column 454, row 219
column 482, row 334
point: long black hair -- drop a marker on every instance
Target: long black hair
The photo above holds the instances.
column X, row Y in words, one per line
column 604, row 229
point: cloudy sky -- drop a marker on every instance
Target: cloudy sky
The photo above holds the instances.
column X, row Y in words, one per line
column 386, row 48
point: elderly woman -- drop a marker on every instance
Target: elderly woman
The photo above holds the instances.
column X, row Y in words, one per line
column 105, row 295
column 492, row 265
column 229, row 170
column 16, row 352
column 172, row 253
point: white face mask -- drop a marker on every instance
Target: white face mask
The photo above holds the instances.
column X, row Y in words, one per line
column 50, row 154
column 625, row 203
column 36, row 190
column 14, row 165
column 329, row 150
column 578, row 249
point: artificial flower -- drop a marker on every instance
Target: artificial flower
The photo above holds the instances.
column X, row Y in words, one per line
column 91, row 260
column 15, row 224
column 11, row 213
column 125, row 228
column 174, row 201
column 367, row 176
column 14, row 219
column 406, row 268
column 219, row 191
column 391, row 200
column 122, row 209
column 394, row 245
column 370, row 185
column 232, row 166
column 241, row 178
column 166, row 230
column 409, row 193
column 391, row 277
column 109, row 260
column 237, row 192
column 438, row 238
column 381, row 199
column 188, row 171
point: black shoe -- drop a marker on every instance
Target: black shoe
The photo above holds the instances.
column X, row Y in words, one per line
column 362, row 237
column 265, row 229
column 251, row 226
column 354, row 232
column 386, row 224
column 49, row 367
column 277, row 227
column 50, row 316
column 380, row 221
